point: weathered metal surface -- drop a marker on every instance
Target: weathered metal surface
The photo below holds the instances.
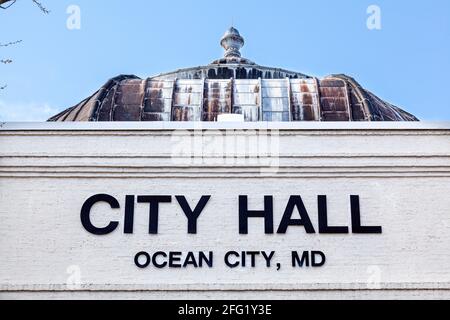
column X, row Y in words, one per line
column 187, row 104
column 217, row 99
column 333, row 100
column 128, row 101
column 275, row 100
column 336, row 98
column 247, row 99
column 233, row 85
column 158, row 100
column 225, row 71
column 305, row 100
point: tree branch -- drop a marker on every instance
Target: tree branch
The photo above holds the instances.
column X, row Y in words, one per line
column 5, row 4
column 40, row 6
column 10, row 43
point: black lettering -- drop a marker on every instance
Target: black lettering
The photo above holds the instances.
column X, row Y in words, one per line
column 323, row 219
column 297, row 262
column 287, row 221
column 154, row 202
column 155, row 261
column 227, row 259
column 190, row 261
column 206, row 260
column 314, row 259
column 253, row 255
column 356, row 219
column 192, row 215
column 175, row 259
column 245, row 214
column 129, row 215
column 268, row 258
column 147, row 258
column 86, row 214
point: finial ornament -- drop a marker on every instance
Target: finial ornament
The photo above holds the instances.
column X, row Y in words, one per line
column 232, row 42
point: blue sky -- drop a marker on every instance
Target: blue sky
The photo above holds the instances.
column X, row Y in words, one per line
column 407, row 62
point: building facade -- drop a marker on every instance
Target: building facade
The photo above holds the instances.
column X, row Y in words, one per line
column 127, row 195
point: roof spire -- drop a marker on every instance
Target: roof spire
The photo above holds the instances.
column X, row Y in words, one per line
column 232, row 42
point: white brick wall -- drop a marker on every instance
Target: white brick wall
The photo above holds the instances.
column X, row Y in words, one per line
column 400, row 171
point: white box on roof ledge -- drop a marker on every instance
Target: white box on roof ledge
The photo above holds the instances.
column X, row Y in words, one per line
column 230, row 118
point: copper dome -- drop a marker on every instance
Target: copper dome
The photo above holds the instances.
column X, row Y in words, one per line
column 233, row 85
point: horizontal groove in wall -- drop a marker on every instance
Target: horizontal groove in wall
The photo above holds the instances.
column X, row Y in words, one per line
column 230, row 287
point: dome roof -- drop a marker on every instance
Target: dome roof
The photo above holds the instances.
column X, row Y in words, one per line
column 236, row 85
